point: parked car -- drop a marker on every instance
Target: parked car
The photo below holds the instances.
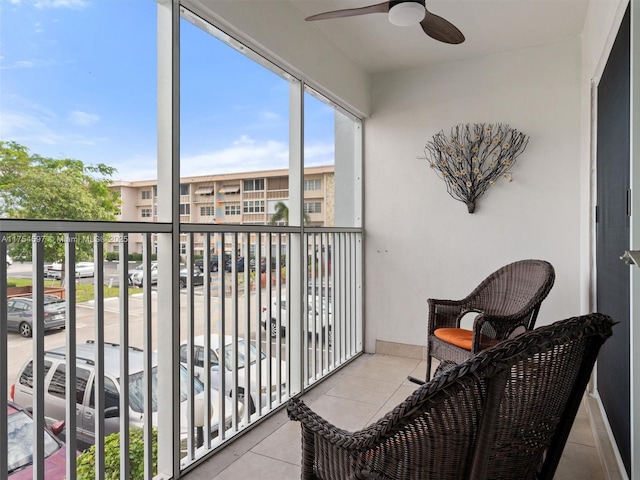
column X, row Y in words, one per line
column 136, row 275
column 318, row 320
column 213, row 263
column 20, row 314
column 9, row 260
column 54, row 390
column 263, row 264
column 82, row 269
column 215, row 354
column 239, row 265
column 20, row 446
column 198, row 277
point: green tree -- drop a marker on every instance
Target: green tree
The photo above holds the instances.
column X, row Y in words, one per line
column 282, row 214
column 35, row 187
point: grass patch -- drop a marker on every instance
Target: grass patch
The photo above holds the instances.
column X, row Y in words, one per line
column 84, row 291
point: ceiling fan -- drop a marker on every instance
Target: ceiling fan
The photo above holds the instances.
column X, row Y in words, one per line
column 404, row 13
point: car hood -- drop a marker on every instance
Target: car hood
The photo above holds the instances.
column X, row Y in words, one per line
column 55, row 466
column 215, row 402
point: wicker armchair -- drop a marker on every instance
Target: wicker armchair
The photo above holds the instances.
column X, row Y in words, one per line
column 507, row 303
column 505, row 414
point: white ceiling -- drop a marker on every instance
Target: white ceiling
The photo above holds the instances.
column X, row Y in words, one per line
column 489, row 26
column 375, row 45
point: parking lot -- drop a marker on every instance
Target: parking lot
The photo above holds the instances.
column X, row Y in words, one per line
column 19, row 349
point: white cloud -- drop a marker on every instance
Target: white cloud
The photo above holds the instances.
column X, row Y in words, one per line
column 244, row 154
column 28, row 64
column 82, row 119
column 39, row 129
column 319, row 154
column 270, row 116
column 74, row 4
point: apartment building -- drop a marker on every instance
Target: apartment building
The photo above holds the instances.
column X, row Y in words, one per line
column 247, row 198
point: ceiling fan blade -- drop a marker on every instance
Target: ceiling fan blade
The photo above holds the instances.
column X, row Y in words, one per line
column 351, row 12
column 440, row 29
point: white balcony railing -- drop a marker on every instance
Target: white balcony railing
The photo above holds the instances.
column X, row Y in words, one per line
column 276, row 308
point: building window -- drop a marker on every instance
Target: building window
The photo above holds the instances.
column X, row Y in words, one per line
column 115, row 248
column 232, row 209
column 207, row 211
column 253, row 206
column 184, row 189
column 312, row 207
column 313, row 184
column 254, row 185
column 155, row 190
column 185, row 209
column 146, row 194
column 145, row 213
column 183, row 248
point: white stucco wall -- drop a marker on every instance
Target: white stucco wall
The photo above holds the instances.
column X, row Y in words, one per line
column 420, row 242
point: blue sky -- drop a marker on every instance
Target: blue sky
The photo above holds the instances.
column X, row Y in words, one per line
column 78, row 80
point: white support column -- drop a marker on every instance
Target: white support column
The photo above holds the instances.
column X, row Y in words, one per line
column 296, row 260
column 168, row 295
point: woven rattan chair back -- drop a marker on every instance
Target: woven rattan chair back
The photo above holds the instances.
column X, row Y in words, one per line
column 504, row 414
column 507, row 303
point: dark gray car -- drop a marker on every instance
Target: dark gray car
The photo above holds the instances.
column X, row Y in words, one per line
column 20, row 314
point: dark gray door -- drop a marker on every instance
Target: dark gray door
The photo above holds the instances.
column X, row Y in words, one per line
column 612, row 236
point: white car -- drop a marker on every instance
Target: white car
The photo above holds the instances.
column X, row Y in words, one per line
column 136, row 275
column 55, row 404
column 320, row 317
column 198, row 366
column 83, row 269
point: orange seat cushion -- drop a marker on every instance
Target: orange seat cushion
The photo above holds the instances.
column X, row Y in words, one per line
column 461, row 337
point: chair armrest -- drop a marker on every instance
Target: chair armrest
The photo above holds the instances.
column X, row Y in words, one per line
column 298, row 410
column 502, row 326
column 445, row 313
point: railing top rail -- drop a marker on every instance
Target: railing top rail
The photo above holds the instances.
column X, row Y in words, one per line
column 91, row 226
column 214, row 228
column 81, row 226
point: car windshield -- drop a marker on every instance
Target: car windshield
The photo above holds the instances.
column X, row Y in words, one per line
column 228, row 354
column 136, row 389
column 20, row 444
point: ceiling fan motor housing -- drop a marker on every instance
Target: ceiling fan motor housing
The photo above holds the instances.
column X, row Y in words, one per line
column 405, row 13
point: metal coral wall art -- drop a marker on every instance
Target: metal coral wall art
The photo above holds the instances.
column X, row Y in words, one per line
column 474, row 157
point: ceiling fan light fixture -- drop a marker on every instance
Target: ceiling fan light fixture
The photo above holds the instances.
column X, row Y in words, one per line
column 406, row 14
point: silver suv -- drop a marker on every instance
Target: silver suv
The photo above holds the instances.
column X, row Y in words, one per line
column 54, row 382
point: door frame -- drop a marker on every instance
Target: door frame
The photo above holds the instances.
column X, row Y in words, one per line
column 634, row 241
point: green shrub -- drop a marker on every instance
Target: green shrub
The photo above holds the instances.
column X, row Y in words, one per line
column 112, row 256
column 87, row 460
column 11, row 284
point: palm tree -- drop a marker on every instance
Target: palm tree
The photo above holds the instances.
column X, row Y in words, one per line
column 282, row 214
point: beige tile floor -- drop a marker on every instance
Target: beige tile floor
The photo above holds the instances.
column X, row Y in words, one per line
column 355, row 396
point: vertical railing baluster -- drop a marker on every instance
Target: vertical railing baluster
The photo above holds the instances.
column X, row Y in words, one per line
column 123, row 283
column 98, row 298
column 37, row 294
column 222, row 312
column 247, row 329
column 258, row 313
column 191, row 401
column 147, row 382
column 234, row 327
column 206, row 296
column 70, row 332
column 4, row 366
